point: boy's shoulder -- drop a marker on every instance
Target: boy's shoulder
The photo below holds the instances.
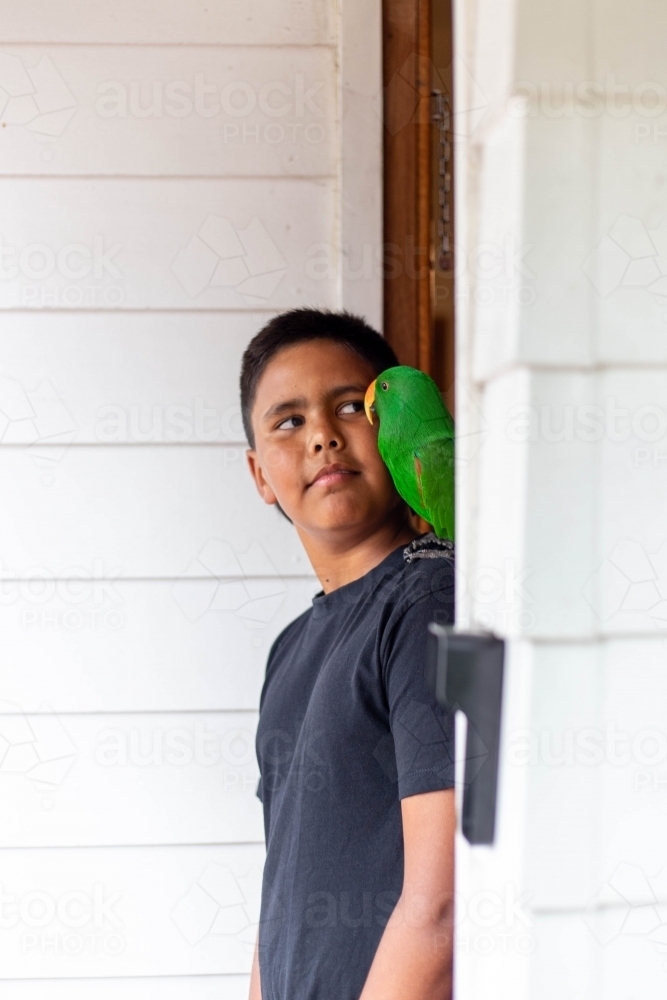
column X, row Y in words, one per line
column 294, row 626
column 425, row 570
column 422, row 571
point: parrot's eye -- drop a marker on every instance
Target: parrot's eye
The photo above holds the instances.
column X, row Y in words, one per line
column 384, row 385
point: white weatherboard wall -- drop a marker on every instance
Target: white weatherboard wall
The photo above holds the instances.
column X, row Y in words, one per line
column 562, row 354
column 171, row 175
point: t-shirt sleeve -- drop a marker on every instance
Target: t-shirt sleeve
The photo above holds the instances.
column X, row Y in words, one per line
column 272, row 652
column 422, row 730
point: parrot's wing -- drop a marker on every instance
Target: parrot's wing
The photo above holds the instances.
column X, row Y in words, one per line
column 434, row 468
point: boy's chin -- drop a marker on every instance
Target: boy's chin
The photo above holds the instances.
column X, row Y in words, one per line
column 339, row 512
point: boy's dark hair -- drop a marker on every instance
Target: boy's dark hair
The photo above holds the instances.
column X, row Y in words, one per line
column 297, row 327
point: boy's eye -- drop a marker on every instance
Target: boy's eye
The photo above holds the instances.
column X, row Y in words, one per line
column 354, row 406
column 289, row 423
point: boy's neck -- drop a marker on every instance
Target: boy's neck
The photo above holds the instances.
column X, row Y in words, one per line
column 338, row 561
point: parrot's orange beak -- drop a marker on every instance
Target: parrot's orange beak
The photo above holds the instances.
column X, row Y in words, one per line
column 369, row 399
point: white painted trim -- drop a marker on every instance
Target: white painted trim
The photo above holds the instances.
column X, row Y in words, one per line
column 360, row 229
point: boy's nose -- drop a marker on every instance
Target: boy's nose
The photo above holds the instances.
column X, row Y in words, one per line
column 332, row 444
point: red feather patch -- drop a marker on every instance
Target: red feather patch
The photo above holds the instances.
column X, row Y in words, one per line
column 418, row 470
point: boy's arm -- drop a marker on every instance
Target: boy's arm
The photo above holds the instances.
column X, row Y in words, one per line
column 255, row 986
column 414, row 958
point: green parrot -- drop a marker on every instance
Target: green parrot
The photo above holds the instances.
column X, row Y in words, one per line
column 416, row 442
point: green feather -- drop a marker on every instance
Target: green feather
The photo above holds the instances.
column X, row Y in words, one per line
column 416, row 442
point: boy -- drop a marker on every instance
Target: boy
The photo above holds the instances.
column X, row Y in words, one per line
column 355, row 755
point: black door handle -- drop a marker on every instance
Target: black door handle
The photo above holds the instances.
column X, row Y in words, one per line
column 465, row 671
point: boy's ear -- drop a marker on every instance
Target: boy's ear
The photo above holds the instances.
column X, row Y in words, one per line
column 257, row 473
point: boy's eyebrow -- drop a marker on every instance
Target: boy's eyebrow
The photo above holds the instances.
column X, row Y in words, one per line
column 340, row 390
column 300, row 402
column 290, row 404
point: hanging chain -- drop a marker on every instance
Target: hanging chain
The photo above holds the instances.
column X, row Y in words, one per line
column 442, row 117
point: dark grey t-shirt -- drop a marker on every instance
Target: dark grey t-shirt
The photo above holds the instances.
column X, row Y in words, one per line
column 347, row 728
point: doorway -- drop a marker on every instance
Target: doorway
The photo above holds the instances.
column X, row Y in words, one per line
column 419, row 302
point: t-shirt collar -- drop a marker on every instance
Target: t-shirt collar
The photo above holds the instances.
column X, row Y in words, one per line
column 324, row 604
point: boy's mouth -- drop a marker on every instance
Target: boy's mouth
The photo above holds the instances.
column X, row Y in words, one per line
column 334, row 473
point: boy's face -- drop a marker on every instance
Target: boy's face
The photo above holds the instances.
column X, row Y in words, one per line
column 315, row 451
